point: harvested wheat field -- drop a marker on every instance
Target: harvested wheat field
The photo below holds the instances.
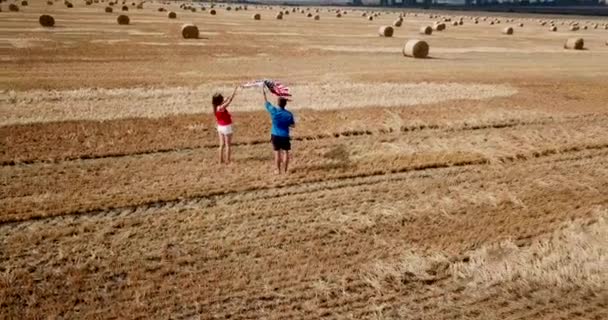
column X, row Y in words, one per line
column 465, row 179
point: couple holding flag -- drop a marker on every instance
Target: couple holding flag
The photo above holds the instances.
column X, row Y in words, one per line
column 282, row 121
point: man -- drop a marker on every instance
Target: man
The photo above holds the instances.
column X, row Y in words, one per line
column 282, row 121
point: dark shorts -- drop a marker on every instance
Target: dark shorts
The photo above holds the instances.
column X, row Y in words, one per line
column 280, row 143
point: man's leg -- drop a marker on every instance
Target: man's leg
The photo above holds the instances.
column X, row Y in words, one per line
column 277, row 160
column 286, row 160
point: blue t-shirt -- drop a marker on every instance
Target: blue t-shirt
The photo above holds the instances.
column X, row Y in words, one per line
column 281, row 120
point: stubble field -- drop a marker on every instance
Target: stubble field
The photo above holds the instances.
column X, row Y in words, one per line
column 469, row 185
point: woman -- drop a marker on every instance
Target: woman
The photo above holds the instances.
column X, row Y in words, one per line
column 224, row 124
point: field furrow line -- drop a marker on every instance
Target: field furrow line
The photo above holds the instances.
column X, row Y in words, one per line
column 347, row 177
column 511, row 123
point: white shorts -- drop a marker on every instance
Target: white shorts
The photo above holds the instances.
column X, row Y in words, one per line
column 225, row 130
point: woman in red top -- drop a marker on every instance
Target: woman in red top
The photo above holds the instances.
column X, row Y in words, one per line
column 224, row 124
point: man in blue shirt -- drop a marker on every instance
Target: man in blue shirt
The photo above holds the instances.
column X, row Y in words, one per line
column 282, row 121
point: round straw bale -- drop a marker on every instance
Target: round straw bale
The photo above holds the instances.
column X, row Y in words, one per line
column 257, row 16
column 279, row 16
column 228, row 8
column 370, row 18
column 317, row 17
column 521, row 25
column 125, row 8
column 46, row 21
column 397, row 23
column 24, row 3
column 123, row 19
column 574, row 28
column 439, row 26
column 193, row 9
column 574, row 43
column 69, row 5
column 553, row 29
column 161, row 9
column 212, row 12
column 109, row 9
column 426, row 30
column 491, row 23
column 507, row 31
column 190, row 31
column 364, row 14
column 416, row 48
column 50, row 3
column 455, row 23
column 585, row 27
column 386, row 31
column 13, row 7
column 172, row 15
column 309, row 15
column 338, row 15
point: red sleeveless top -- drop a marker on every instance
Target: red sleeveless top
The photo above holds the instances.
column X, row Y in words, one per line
column 223, row 118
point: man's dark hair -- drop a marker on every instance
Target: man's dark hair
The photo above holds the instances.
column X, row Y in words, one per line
column 217, row 99
column 282, row 102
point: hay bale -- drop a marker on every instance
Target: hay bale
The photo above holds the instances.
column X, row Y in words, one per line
column 69, row 5
column 507, row 31
column 109, row 9
column 228, row 8
column 416, row 48
column 574, row 28
column 212, row 12
column 123, row 19
column 455, row 23
column 50, row 3
column 553, row 29
column 13, row 7
column 575, row 44
column 386, row 31
column 279, row 16
column 338, row 15
column 370, row 18
column 161, row 9
column 125, row 8
column 190, row 31
column 426, row 30
column 521, row 25
column 24, row 3
column 309, row 15
column 317, row 17
column 257, row 16
column 172, row 15
column 440, row 26
column 398, row 22
column 46, row 20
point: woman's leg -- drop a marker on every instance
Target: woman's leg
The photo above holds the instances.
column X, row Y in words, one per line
column 228, row 142
column 221, row 148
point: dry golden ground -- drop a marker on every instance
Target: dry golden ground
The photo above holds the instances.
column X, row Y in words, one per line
column 467, row 186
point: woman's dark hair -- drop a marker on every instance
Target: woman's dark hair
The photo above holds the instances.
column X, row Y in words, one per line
column 217, row 99
column 282, row 102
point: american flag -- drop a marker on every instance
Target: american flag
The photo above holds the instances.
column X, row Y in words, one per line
column 275, row 87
